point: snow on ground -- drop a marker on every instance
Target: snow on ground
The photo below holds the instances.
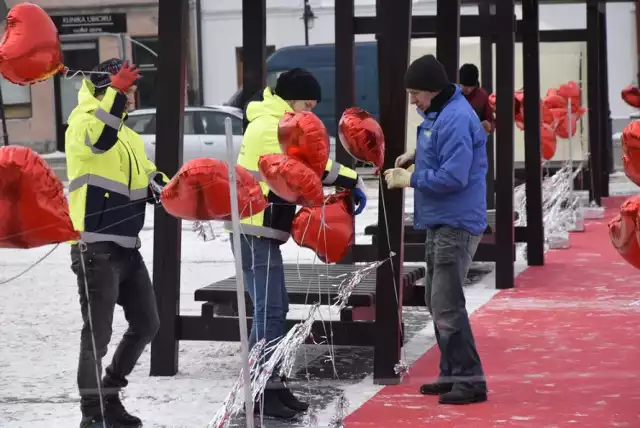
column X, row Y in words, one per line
column 40, row 324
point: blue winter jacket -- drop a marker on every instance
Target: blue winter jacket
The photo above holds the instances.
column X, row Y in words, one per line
column 450, row 166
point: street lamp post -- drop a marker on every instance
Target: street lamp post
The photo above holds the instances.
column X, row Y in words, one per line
column 308, row 17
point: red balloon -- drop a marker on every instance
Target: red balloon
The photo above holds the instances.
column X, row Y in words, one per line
column 328, row 230
column 492, row 101
column 571, row 91
column 34, row 210
column 631, row 96
column 624, row 230
column 291, row 180
column 361, row 135
column 304, row 137
column 201, row 191
column 30, row 48
column 631, row 150
column 549, row 141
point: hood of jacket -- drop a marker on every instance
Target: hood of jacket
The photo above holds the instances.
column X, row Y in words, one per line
column 271, row 105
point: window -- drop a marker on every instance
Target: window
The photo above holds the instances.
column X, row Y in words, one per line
column 272, row 78
column 142, row 123
column 145, row 124
column 213, row 123
column 147, row 63
column 16, row 100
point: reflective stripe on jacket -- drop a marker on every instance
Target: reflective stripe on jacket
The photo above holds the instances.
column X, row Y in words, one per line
column 108, row 170
column 261, row 138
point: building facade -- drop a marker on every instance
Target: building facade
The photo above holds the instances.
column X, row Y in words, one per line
column 91, row 31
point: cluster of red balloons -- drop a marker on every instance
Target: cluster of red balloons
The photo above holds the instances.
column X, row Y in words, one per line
column 30, row 49
column 624, row 231
column 631, row 151
column 560, row 112
column 631, row 96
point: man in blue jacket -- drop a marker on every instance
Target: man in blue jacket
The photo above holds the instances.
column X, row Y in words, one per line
column 450, row 203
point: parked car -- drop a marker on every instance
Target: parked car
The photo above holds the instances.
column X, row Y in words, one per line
column 204, row 132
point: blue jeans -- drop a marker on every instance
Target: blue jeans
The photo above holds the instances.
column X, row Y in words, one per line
column 264, row 280
column 449, row 255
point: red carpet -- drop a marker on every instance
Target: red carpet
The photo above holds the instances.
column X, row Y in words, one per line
column 560, row 350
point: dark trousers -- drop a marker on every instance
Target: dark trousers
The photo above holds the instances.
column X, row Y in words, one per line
column 263, row 271
column 114, row 275
column 449, row 255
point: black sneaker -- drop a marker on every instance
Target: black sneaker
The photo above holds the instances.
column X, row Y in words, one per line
column 291, row 401
column 435, row 388
column 273, row 407
column 94, row 422
column 461, row 396
column 118, row 415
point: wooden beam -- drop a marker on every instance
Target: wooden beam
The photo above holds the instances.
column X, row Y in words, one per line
column 594, row 101
column 505, row 82
column 448, row 37
column 531, row 78
column 173, row 28
column 606, row 138
column 486, row 81
column 393, row 57
column 254, row 51
column 227, row 329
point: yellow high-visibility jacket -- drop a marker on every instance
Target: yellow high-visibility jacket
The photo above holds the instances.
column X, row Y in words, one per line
column 108, row 170
column 261, row 138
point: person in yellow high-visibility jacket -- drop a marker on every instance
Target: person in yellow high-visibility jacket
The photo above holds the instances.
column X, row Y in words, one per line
column 109, row 186
column 296, row 90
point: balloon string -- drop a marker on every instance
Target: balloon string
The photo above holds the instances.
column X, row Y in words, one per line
column 393, row 272
column 32, row 266
column 97, row 365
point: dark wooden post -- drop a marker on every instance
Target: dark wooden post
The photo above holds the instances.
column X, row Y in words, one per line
column 531, row 71
column 486, row 80
column 394, row 26
column 448, row 37
column 345, row 80
column 254, row 50
column 594, row 100
column 505, row 64
column 606, row 165
column 173, row 24
column 345, row 69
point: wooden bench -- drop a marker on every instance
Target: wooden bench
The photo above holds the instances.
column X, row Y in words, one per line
column 309, row 284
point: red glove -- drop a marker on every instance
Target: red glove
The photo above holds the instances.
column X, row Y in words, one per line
column 125, row 78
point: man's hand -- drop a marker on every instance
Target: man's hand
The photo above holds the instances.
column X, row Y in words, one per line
column 156, row 191
column 487, row 126
column 397, row 178
column 359, row 197
column 405, row 160
column 125, row 78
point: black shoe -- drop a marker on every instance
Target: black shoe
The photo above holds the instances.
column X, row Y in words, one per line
column 94, row 422
column 461, row 396
column 291, row 401
column 435, row 388
column 118, row 415
column 273, row 406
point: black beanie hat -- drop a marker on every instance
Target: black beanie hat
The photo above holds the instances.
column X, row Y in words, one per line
column 100, row 78
column 298, row 84
column 469, row 75
column 426, row 74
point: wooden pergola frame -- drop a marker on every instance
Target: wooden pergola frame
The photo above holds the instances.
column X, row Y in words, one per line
column 394, row 26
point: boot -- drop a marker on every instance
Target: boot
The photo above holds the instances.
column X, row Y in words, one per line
column 291, row 401
column 94, row 422
column 118, row 415
column 435, row 388
column 273, row 406
column 463, row 396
